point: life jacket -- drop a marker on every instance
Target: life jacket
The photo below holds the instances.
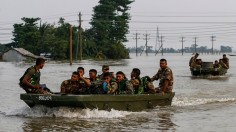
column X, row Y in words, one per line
column 144, row 83
column 124, row 87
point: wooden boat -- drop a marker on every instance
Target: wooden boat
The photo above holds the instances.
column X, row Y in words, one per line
column 207, row 69
column 125, row 102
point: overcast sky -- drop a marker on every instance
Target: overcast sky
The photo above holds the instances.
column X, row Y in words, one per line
column 173, row 19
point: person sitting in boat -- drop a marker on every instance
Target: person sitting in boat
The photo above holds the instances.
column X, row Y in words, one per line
column 225, row 60
column 166, row 78
column 105, row 68
column 193, row 60
column 70, row 86
column 216, row 64
column 222, row 64
column 94, row 80
column 109, row 85
column 93, row 76
column 124, row 86
column 147, row 85
column 84, row 83
column 136, row 81
column 30, row 81
column 199, row 62
column 223, row 67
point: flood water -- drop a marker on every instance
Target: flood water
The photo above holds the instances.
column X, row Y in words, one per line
column 199, row 104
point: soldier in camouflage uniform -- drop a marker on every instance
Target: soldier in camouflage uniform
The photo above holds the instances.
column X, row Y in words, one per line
column 30, row 81
column 225, row 60
column 124, row 86
column 110, row 85
column 95, row 82
column 71, row 86
column 105, row 68
column 84, row 83
column 166, row 78
column 136, row 81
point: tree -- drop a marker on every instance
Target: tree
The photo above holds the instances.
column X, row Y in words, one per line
column 26, row 34
column 110, row 26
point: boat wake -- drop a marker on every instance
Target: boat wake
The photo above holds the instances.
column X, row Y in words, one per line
column 186, row 101
column 42, row 111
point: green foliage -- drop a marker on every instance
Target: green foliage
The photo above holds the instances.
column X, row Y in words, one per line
column 110, row 26
column 108, row 32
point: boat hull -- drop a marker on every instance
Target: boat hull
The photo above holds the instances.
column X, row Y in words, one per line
column 102, row 102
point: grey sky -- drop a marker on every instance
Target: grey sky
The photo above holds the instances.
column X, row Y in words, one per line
column 189, row 18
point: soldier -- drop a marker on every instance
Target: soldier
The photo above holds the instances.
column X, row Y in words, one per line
column 95, row 81
column 193, row 61
column 216, row 64
column 71, row 86
column 93, row 75
column 136, row 81
column 225, row 60
column 110, row 86
column 105, row 68
column 30, row 81
column 84, row 83
column 166, row 78
column 124, row 86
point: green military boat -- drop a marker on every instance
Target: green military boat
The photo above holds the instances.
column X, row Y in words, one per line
column 207, row 69
column 125, row 102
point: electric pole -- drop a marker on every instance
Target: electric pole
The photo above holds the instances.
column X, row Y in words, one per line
column 182, row 40
column 70, row 45
column 212, row 40
column 195, row 44
column 146, row 38
column 136, row 38
column 162, row 45
column 80, row 37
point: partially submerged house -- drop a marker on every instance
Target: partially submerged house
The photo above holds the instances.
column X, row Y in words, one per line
column 18, row 54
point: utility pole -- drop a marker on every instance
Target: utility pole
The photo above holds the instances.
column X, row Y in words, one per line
column 146, row 44
column 146, row 38
column 182, row 40
column 195, row 44
column 80, row 37
column 162, row 45
column 136, row 38
column 157, row 40
column 212, row 40
column 70, row 44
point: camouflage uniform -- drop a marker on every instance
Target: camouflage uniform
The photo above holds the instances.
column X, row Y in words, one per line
column 124, row 87
column 111, row 87
column 70, row 87
column 34, row 80
column 226, row 61
column 164, row 74
column 136, row 84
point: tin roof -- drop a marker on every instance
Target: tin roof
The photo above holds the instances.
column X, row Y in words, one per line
column 25, row 52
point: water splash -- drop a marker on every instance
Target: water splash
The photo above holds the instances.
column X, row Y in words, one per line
column 42, row 111
column 188, row 101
